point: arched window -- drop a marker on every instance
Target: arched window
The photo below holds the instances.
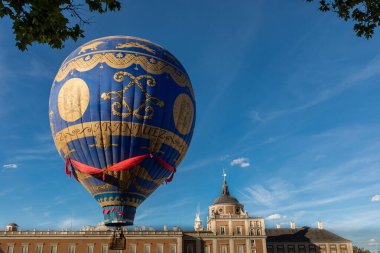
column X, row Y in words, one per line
column 258, row 232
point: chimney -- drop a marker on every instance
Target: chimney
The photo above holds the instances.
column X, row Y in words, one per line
column 143, row 228
column 175, row 229
column 136, row 228
column 165, row 228
column 278, row 225
column 293, row 224
column 151, row 228
column 319, row 224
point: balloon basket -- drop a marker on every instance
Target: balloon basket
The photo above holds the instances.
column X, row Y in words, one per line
column 118, row 240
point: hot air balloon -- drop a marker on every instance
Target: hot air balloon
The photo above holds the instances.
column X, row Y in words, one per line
column 122, row 114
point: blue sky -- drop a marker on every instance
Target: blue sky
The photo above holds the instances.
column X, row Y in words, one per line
column 287, row 103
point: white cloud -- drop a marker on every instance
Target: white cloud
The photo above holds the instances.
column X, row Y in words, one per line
column 375, row 198
column 10, row 166
column 275, row 216
column 243, row 162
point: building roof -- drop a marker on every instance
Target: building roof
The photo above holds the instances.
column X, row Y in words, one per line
column 225, row 197
column 304, row 234
column 13, row 224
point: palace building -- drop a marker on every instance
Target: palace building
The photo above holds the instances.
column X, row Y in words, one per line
column 229, row 229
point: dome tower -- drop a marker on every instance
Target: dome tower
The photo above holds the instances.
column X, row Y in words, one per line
column 226, row 204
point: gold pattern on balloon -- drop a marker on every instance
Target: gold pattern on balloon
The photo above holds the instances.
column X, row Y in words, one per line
column 136, row 45
column 91, row 47
column 145, row 110
column 183, row 113
column 124, row 180
column 116, row 60
column 73, row 99
column 98, row 129
column 51, row 114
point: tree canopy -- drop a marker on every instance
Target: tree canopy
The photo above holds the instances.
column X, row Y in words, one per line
column 50, row 22
column 53, row 22
column 364, row 13
column 356, row 249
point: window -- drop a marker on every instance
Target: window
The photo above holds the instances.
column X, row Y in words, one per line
column 222, row 230
column 53, row 249
column 189, row 248
column 90, row 248
column 343, row 248
column 258, row 232
column 72, row 248
column 301, row 249
column 280, row 249
column 24, row 248
column 253, row 251
column 160, row 248
column 270, row 248
column 207, row 248
column 312, row 249
column 146, row 248
column 132, row 248
column 39, row 248
column 257, row 223
column 239, row 230
column 291, row 249
column 173, row 248
column 224, row 248
column 253, row 243
column 10, row 248
column 105, row 248
column 240, row 249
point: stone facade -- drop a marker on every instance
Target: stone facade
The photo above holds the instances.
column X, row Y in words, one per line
column 229, row 230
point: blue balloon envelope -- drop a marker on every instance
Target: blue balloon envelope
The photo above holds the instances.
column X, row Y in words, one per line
column 117, row 98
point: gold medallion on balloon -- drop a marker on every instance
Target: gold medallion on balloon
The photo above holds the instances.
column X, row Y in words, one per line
column 73, row 99
column 183, row 113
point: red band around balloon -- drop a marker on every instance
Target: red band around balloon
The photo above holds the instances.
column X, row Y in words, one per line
column 123, row 165
column 107, row 211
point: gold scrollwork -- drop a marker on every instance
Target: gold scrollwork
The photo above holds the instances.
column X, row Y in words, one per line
column 145, row 110
column 100, row 129
column 137, row 45
column 91, row 46
column 114, row 60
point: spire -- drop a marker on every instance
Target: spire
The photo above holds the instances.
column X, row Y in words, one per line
column 198, row 226
column 225, row 190
column 197, row 216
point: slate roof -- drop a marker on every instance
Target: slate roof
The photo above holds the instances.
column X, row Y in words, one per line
column 225, row 197
column 304, row 234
